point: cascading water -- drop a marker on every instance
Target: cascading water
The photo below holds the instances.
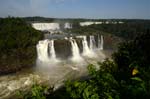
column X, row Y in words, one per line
column 100, row 47
column 47, row 62
column 46, row 50
column 92, row 43
column 76, row 57
column 42, row 50
column 100, row 42
column 52, row 51
column 86, row 50
column 67, row 25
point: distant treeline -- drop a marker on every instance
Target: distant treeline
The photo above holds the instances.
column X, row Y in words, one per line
column 129, row 29
column 44, row 19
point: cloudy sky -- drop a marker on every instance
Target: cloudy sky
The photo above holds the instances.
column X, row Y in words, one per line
column 139, row 9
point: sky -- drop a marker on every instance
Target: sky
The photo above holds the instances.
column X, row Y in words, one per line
column 99, row 9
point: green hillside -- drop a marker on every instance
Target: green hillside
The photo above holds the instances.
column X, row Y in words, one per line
column 17, row 44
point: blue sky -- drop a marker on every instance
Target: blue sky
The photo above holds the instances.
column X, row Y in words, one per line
column 139, row 9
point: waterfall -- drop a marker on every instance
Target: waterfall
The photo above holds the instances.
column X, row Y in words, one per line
column 67, row 25
column 46, row 49
column 92, row 42
column 76, row 57
column 86, row 50
column 52, row 51
column 100, row 42
column 42, row 50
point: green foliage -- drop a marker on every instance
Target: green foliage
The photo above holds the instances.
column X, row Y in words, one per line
column 101, row 85
column 16, row 33
column 17, row 44
column 128, row 30
column 127, row 77
column 37, row 92
column 81, row 90
column 108, row 66
column 135, row 88
column 130, row 56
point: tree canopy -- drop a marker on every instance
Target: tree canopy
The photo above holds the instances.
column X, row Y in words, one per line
column 17, row 43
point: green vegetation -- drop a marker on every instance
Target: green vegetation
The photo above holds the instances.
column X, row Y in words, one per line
column 102, row 84
column 126, row 77
column 17, row 44
column 37, row 92
column 128, row 30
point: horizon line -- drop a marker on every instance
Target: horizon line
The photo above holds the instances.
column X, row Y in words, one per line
column 77, row 18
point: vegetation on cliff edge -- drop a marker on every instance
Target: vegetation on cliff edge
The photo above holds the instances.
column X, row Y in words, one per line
column 17, row 44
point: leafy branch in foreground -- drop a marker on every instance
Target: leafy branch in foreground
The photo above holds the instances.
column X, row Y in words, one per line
column 101, row 84
column 36, row 92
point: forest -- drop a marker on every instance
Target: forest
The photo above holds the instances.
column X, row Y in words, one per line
column 17, row 44
column 128, row 30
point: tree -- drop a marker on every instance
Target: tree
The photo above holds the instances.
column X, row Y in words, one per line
column 17, row 44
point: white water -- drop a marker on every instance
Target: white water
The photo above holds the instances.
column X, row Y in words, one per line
column 100, row 42
column 76, row 57
column 89, row 23
column 52, row 51
column 86, row 50
column 43, row 47
column 92, row 43
column 42, row 51
column 46, row 51
column 67, row 25
column 46, row 26
column 50, row 26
